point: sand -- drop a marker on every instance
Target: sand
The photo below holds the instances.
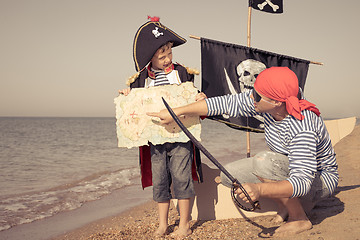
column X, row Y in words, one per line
column 335, row 218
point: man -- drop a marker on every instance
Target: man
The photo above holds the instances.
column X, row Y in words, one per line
column 301, row 167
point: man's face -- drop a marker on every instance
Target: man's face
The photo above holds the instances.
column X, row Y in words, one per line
column 162, row 59
column 262, row 103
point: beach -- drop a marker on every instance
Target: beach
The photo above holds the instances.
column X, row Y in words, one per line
column 334, row 218
column 59, row 174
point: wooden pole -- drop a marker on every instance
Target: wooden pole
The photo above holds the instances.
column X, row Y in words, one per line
column 195, row 37
column 249, row 27
column 248, row 44
column 318, row 63
column 199, row 38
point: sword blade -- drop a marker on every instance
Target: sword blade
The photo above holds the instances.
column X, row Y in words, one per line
column 211, row 158
column 198, row 144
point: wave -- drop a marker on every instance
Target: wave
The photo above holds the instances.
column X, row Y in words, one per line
column 28, row 207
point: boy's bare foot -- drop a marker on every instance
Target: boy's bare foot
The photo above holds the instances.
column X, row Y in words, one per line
column 160, row 232
column 181, row 233
column 292, row 227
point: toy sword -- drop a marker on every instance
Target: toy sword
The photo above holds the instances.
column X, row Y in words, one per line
column 235, row 182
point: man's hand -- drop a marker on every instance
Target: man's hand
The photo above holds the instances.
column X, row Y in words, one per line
column 164, row 115
column 200, row 96
column 198, row 108
column 252, row 189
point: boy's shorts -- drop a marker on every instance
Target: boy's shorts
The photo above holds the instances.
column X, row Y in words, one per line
column 171, row 164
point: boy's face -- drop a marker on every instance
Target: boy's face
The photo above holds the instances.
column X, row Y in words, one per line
column 162, row 58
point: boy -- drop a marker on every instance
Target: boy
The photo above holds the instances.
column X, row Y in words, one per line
column 171, row 163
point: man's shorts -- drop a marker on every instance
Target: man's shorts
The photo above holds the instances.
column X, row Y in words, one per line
column 271, row 166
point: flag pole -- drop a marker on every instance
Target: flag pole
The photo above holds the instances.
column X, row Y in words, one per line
column 199, row 38
column 248, row 44
column 249, row 27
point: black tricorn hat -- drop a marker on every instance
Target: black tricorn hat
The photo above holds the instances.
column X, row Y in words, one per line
column 149, row 38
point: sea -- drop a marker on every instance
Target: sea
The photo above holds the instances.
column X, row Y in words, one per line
column 54, row 165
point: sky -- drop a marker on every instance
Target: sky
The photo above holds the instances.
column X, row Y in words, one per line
column 69, row 58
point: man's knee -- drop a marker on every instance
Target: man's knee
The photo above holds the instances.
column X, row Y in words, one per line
column 225, row 180
column 271, row 166
column 242, row 170
column 263, row 165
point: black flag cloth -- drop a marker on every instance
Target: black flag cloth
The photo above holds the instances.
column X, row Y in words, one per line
column 270, row 6
column 230, row 69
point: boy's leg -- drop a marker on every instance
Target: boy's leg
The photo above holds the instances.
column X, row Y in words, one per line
column 161, row 185
column 184, row 224
column 163, row 208
column 180, row 168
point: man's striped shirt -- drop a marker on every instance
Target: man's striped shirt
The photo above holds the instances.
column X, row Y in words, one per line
column 307, row 143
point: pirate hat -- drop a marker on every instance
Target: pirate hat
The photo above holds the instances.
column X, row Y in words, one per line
column 149, row 38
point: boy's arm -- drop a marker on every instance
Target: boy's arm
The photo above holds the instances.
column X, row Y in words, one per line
column 135, row 81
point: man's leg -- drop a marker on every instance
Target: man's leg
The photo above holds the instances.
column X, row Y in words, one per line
column 292, row 208
column 241, row 169
column 269, row 165
column 297, row 220
column 282, row 212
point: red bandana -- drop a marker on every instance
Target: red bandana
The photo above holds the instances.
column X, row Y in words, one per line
column 281, row 84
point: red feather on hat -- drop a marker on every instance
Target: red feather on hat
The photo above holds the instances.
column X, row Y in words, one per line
column 154, row 19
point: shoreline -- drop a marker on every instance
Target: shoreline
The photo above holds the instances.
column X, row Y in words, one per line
column 61, row 223
column 334, row 218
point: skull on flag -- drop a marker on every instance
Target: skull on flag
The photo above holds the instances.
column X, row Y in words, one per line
column 248, row 70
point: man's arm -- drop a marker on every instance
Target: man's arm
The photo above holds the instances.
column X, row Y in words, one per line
column 198, row 108
column 278, row 189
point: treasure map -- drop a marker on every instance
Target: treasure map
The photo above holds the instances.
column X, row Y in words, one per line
column 134, row 128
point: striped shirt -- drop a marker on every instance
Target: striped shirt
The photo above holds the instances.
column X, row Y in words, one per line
column 307, row 143
column 160, row 78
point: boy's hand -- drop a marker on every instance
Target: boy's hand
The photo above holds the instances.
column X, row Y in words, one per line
column 200, row 96
column 125, row 91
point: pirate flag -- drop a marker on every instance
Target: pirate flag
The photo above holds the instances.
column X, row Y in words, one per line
column 230, row 69
column 270, row 6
